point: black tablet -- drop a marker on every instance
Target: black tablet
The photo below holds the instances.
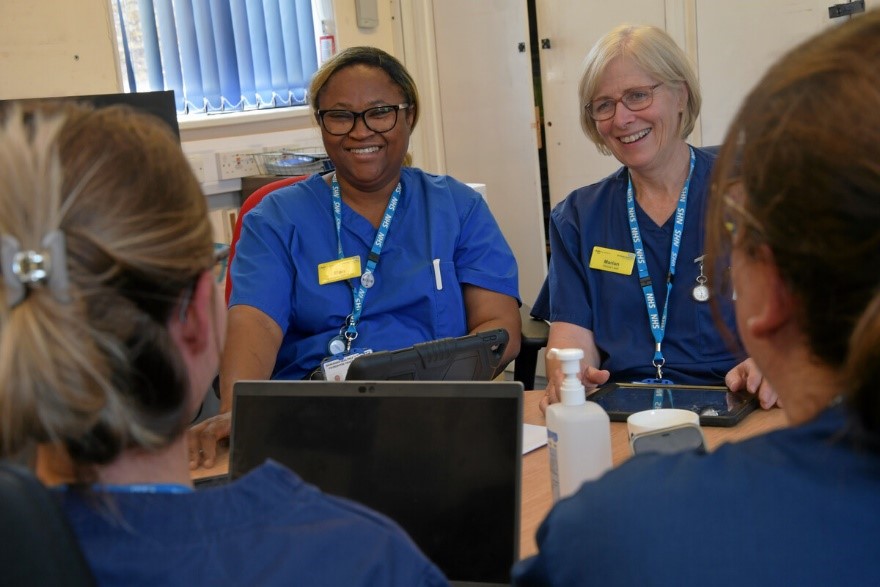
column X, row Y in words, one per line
column 474, row 357
column 716, row 405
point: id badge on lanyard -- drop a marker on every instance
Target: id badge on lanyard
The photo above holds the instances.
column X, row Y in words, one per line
column 339, row 348
column 658, row 323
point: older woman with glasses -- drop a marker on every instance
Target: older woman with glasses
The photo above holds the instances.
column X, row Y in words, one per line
column 795, row 205
column 373, row 256
column 627, row 282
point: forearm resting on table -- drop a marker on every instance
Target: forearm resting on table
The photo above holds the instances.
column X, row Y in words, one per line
column 252, row 343
column 489, row 310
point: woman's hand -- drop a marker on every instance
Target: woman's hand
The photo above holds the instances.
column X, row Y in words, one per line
column 252, row 343
column 564, row 335
column 746, row 376
column 590, row 377
column 203, row 438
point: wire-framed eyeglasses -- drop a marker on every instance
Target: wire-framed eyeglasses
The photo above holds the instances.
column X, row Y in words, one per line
column 378, row 119
column 634, row 99
column 219, row 266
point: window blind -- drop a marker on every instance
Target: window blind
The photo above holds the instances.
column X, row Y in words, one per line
column 220, row 55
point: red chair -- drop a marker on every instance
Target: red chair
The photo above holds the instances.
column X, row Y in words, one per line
column 251, row 201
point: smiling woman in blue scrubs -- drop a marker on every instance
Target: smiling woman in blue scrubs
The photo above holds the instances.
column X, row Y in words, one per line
column 626, row 281
column 795, row 206
column 374, row 256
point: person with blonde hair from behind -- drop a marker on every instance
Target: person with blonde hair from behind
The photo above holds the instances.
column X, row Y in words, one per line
column 795, row 205
column 110, row 335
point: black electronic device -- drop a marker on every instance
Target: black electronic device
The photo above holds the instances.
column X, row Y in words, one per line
column 716, row 405
column 474, row 357
column 443, row 459
column 668, row 440
column 160, row 103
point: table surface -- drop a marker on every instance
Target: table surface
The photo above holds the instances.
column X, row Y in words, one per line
column 536, row 493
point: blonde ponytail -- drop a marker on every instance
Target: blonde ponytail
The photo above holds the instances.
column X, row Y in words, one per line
column 91, row 365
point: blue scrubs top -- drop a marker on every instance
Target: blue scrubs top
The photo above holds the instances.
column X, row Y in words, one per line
column 797, row 506
column 612, row 305
column 267, row 528
column 286, row 236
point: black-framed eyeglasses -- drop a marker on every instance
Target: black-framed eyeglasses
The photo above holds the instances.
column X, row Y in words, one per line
column 378, row 119
column 634, row 99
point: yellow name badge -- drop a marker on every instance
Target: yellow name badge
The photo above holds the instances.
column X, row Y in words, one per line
column 611, row 260
column 333, row 271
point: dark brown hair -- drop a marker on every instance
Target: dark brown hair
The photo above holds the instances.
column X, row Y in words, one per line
column 799, row 172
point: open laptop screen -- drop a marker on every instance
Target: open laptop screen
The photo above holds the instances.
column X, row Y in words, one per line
column 440, row 458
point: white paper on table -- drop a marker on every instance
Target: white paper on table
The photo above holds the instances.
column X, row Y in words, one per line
column 534, row 436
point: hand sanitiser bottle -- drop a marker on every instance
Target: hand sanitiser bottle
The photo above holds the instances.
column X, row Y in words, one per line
column 578, row 431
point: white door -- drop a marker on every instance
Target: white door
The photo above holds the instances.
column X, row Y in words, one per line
column 571, row 27
column 738, row 41
column 731, row 44
column 489, row 125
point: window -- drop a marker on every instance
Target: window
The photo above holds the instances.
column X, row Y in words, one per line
column 218, row 55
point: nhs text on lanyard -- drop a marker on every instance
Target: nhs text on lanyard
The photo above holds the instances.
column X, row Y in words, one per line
column 349, row 329
column 658, row 324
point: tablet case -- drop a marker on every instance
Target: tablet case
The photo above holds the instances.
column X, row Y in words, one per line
column 474, row 357
column 716, row 405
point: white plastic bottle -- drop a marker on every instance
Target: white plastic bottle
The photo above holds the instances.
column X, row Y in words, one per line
column 578, row 431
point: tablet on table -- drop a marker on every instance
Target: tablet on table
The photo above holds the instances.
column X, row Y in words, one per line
column 716, row 405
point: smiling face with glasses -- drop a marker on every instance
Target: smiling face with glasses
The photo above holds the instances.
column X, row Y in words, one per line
column 638, row 118
column 366, row 121
column 635, row 99
column 379, row 119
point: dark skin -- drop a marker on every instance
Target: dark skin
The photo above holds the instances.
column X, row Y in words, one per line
column 368, row 166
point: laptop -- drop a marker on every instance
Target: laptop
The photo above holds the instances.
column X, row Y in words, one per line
column 442, row 459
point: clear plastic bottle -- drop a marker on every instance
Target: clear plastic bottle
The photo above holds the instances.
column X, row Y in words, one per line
column 578, row 431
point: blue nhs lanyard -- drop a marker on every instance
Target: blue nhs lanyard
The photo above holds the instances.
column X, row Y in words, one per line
column 168, row 488
column 658, row 324
column 367, row 278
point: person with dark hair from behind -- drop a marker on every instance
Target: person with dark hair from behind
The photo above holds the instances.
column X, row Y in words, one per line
column 110, row 335
column 376, row 255
column 795, row 200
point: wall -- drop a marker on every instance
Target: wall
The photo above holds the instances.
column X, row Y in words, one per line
column 56, row 48
column 489, row 129
column 68, row 48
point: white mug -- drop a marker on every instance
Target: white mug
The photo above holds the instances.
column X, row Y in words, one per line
column 660, row 419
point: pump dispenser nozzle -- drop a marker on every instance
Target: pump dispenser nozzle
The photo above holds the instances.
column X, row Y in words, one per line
column 572, row 391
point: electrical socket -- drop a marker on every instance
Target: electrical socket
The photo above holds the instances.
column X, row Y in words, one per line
column 236, row 164
column 197, row 163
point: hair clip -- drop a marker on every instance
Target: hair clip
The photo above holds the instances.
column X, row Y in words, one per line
column 26, row 269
